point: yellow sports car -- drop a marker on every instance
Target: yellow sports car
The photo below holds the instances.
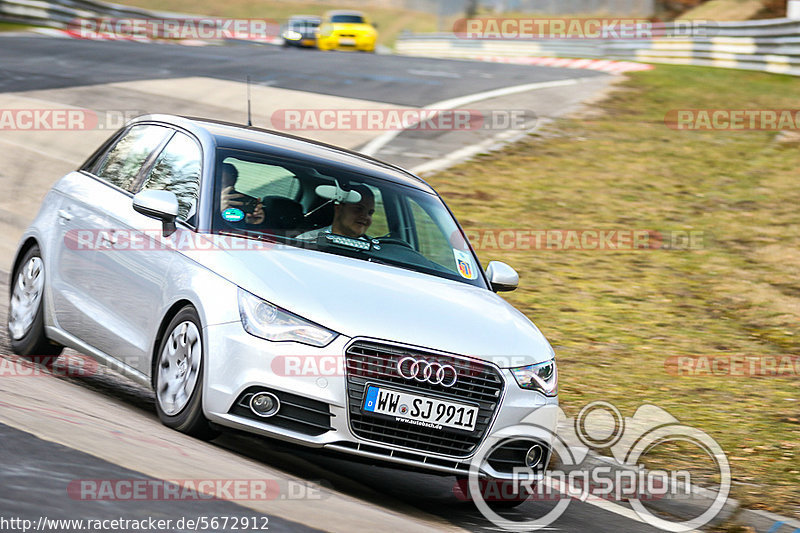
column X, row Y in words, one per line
column 346, row 30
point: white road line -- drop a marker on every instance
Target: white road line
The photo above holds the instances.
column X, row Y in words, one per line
column 462, row 154
column 600, row 503
column 30, row 148
column 434, row 73
column 375, row 145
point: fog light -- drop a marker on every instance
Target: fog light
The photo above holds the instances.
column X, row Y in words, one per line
column 264, row 404
column 534, row 456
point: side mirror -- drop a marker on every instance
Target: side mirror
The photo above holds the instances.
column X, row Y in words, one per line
column 502, row 277
column 162, row 205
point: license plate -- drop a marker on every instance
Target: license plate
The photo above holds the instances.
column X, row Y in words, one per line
column 307, row 42
column 347, row 42
column 420, row 410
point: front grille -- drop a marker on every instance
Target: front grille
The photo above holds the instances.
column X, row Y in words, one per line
column 372, row 362
column 423, row 461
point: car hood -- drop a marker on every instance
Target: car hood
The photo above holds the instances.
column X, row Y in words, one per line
column 359, row 298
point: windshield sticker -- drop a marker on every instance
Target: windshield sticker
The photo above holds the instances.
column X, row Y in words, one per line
column 464, row 264
column 233, row 215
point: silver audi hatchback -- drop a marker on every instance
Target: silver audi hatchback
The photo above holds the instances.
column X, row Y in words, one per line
column 287, row 288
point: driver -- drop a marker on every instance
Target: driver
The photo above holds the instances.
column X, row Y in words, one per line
column 350, row 220
column 230, row 197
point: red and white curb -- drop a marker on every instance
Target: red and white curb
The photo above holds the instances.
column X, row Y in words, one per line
column 603, row 65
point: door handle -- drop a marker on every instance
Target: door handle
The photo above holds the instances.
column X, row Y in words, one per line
column 65, row 215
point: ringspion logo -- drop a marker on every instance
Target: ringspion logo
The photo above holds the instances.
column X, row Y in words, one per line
column 598, row 426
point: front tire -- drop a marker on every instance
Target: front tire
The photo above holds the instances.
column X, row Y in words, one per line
column 26, row 311
column 178, row 379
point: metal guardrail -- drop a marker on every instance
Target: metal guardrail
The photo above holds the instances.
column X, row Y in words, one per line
column 765, row 45
column 88, row 19
column 61, row 14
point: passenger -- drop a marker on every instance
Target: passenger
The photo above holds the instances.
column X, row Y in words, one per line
column 350, row 220
column 230, row 197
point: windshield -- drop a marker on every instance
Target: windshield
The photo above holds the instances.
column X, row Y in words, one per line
column 339, row 212
column 353, row 19
column 303, row 25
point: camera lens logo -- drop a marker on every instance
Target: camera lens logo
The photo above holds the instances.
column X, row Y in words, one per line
column 601, row 426
column 427, row 371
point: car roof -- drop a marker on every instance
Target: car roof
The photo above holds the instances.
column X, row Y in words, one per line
column 315, row 18
column 344, row 12
column 251, row 138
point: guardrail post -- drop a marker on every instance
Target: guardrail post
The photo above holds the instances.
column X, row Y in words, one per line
column 793, row 9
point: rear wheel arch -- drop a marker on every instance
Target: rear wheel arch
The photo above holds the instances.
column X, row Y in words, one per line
column 32, row 341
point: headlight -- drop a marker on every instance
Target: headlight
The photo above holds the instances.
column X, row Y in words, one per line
column 292, row 35
column 542, row 377
column 268, row 321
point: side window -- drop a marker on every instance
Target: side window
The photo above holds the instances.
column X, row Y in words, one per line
column 123, row 162
column 258, row 193
column 177, row 170
column 433, row 244
column 259, row 179
column 379, row 226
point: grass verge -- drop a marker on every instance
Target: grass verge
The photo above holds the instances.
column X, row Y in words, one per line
column 615, row 317
column 11, row 26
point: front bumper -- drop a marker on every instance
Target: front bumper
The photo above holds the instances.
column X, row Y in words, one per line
column 313, row 381
column 305, row 42
column 336, row 42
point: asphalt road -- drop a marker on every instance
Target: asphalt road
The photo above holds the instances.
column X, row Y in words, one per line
column 46, row 63
column 45, row 458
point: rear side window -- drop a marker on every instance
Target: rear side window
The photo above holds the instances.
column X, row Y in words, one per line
column 122, row 164
column 259, row 179
column 177, row 170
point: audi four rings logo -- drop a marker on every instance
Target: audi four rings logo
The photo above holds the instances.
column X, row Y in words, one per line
column 430, row 371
